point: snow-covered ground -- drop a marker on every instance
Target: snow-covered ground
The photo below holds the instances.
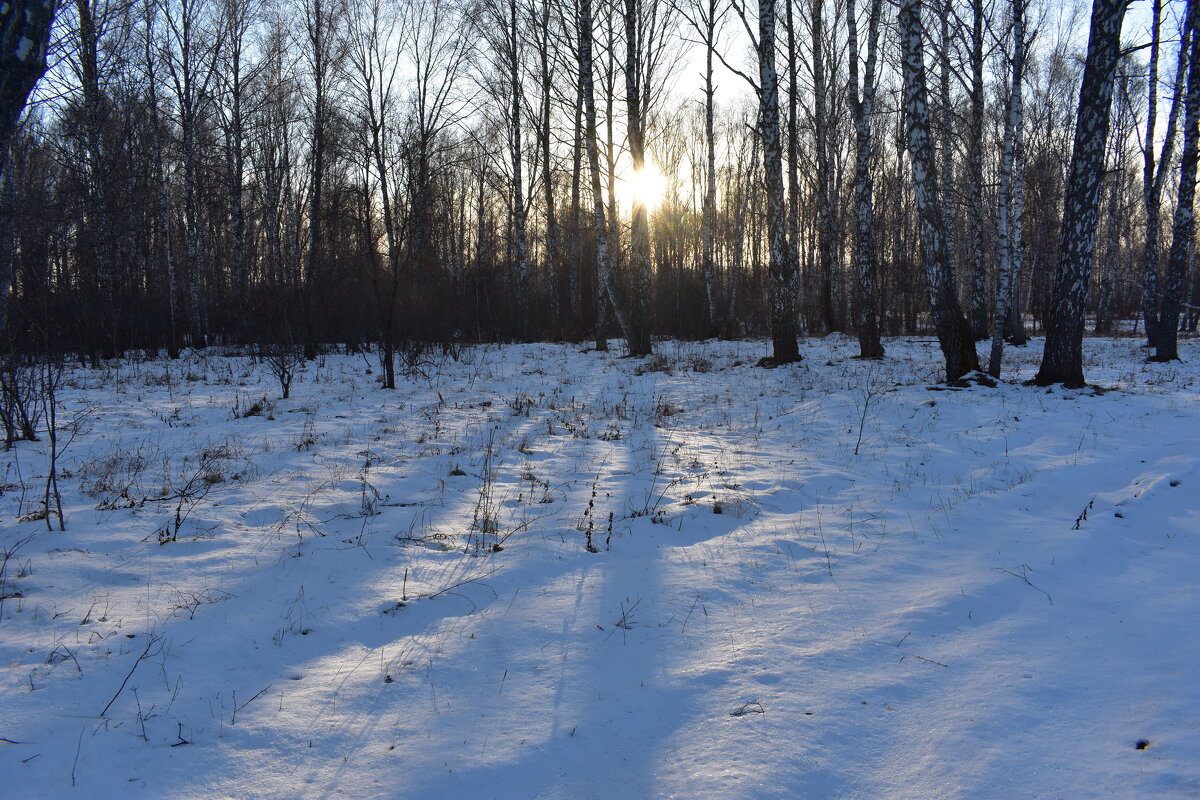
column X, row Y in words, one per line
column 835, row 579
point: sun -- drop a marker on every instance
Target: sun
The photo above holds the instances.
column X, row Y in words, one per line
column 647, row 186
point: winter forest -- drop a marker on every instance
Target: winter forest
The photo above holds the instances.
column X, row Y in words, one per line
column 400, row 175
column 599, row 398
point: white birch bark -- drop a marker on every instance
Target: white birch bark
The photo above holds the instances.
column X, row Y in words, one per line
column 1012, row 133
column 1062, row 359
column 862, row 103
column 953, row 332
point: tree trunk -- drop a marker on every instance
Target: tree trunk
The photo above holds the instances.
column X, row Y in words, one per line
column 604, row 276
column 1183, row 227
column 862, row 104
column 794, row 199
column 1154, row 174
column 826, row 252
column 97, row 181
column 945, row 126
column 520, row 241
column 162, row 197
column 1012, row 134
column 319, row 24
column 1014, row 322
column 574, row 275
column 710, row 170
column 1062, row 359
column 553, row 255
column 782, row 269
column 641, row 308
column 953, row 332
column 978, row 304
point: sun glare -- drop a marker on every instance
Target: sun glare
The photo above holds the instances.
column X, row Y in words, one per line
column 646, row 186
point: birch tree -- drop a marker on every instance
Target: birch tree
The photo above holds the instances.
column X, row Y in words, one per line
column 93, row 22
column 604, row 276
column 705, row 16
column 1013, row 127
column 375, row 71
column 501, row 28
column 862, row 105
column 1183, row 227
column 543, row 41
column 238, row 20
column 1155, row 171
column 162, row 196
column 953, row 331
column 189, row 52
column 785, row 348
column 975, row 183
column 647, row 43
column 826, row 252
column 1062, row 358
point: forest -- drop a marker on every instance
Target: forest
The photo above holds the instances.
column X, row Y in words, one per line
column 405, row 175
column 593, row 399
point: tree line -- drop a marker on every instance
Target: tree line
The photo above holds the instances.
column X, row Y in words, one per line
column 399, row 173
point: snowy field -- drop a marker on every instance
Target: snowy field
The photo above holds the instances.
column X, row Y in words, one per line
column 830, row 580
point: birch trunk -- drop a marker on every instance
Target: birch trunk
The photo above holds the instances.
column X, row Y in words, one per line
column 574, row 277
column 638, row 334
column 1012, row 134
column 978, row 304
column 553, row 237
column 162, row 198
column 710, row 168
column 1183, row 227
column 1062, row 359
column 520, row 242
column 604, row 275
column 782, row 268
column 862, row 104
column 97, row 179
column 945, row 124
column 953, row 332
column 1154, row 173
column 825, row 235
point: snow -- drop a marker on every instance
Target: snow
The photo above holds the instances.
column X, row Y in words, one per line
column 341, row 614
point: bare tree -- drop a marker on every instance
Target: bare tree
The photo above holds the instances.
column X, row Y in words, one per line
column 1013, row 127
column 238, row 20
column 1183, row 229
column 826, row 250
column 1154, row 172
column 975, row 182
column 1062, row 359
column 648, row 26
column 437, row 44
column 501, row 26
column 542, row 12
column 162, row 193
column 189, row 52
column 953, row 332
column 785, row 348
column 706, row 16
column 322, row 29
column 375, row 70
column 605, row 278
column 862, row 104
